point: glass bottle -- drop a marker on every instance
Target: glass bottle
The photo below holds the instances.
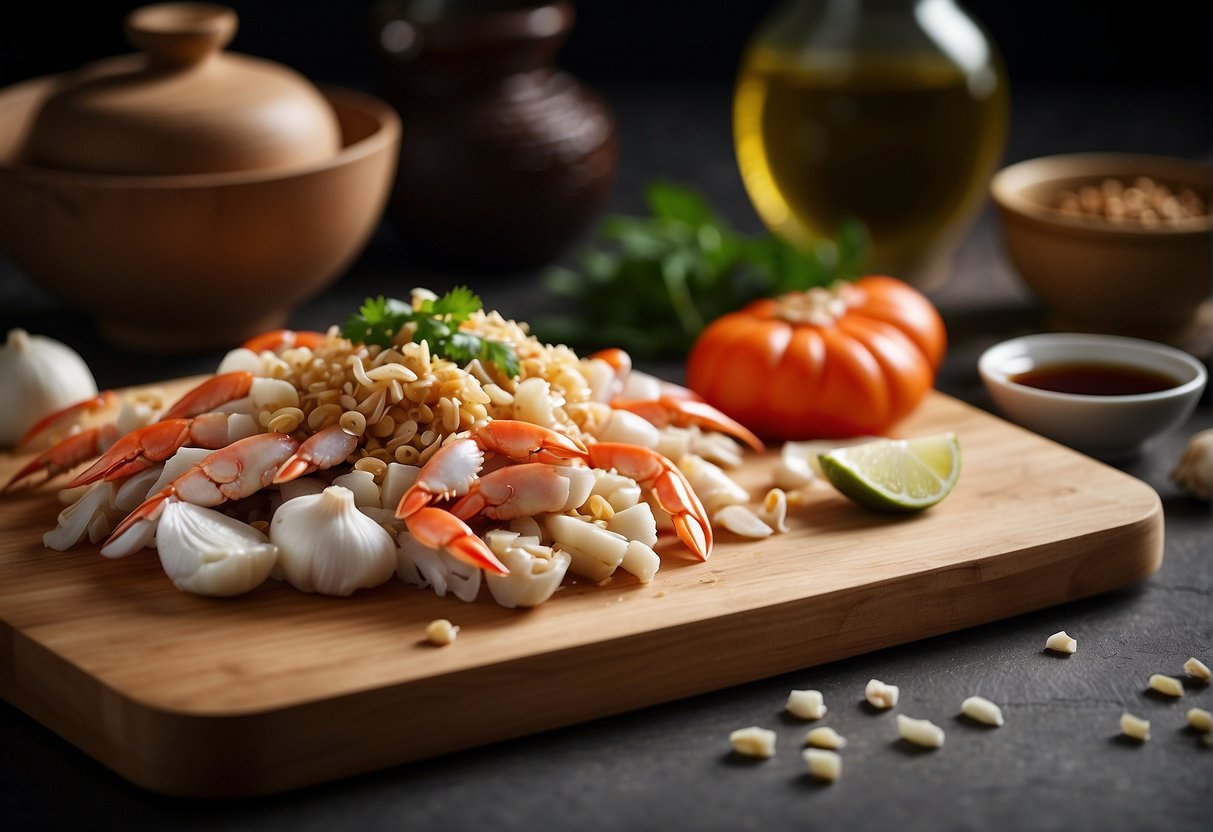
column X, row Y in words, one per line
column 891, row 112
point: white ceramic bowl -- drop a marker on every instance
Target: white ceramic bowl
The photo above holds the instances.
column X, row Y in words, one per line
column 1107, row 427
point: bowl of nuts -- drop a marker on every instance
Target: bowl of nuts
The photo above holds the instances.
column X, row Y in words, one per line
column 1113, row 243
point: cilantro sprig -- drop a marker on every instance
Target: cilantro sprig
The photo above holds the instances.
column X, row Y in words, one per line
column 379, row 320
column 651, row 283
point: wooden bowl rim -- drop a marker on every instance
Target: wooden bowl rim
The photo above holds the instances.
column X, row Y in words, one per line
column 1007, row 187
column 385, row 135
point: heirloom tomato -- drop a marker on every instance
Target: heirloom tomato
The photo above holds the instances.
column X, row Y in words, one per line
column 850, row 360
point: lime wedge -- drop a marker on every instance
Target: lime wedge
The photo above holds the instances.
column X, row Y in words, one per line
column 896, row 474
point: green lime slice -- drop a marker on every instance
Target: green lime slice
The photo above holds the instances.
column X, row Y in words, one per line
column 896, row 474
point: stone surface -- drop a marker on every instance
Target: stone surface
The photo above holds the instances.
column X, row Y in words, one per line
column 1057, row 763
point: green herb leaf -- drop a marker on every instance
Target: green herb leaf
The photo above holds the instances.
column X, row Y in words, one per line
column 379, row 320
column 650, row 284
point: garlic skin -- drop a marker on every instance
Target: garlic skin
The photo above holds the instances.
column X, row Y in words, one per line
column 327, row 545
column 38, row 376
column 1195, row 467
column 208, row 553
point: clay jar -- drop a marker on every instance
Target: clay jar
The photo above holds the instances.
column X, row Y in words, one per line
column 504, row 159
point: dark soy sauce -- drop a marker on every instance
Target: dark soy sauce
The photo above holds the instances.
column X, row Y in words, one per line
column 1094, row 379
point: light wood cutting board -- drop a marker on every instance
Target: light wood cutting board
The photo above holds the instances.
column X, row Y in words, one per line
column 279, row 689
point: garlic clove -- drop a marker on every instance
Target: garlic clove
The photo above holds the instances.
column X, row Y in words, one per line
column 535, row 571
column 362, row 485
column 208, row 553
column 711, row 484
column 38, row 375
column 398, row 479
column 75, row 521
column 1195, row 468
column 326, row 545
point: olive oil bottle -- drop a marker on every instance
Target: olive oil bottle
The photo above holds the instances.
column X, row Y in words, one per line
column 891, row 112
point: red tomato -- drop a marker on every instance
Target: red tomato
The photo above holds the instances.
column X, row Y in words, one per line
column 849, row 361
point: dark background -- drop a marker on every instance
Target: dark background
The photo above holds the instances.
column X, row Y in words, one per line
column 1162, row 42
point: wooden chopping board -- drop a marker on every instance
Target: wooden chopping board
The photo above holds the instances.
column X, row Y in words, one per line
column 278, row 689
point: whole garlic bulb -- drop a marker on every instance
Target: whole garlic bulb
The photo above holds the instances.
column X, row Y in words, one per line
column 1195, row 467
column 38, row 375
column 208, row 553
column 327, row 545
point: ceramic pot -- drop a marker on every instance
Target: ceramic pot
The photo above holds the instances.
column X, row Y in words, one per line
column 182, row 105
column 504, row 159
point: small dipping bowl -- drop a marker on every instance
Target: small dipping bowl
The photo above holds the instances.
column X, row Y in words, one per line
column 1109, row 427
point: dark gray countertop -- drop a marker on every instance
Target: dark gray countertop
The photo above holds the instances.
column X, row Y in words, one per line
column 1056, row 764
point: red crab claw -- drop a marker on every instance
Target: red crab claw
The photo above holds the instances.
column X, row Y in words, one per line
column 440, row 529
column 65, row 416
column 669, row 485
column 138, row 450
column 210, row 394
column 319, row 451
column 671, row 410
column 284, row 339
column 67, row 454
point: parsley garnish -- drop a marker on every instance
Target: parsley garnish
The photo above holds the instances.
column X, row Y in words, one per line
column 651, row 283
column 379, row 320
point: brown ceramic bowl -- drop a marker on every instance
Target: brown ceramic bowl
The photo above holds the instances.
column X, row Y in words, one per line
column 1095, row 275
column 200, row 261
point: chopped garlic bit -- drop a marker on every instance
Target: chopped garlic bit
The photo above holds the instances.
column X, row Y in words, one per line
column 535, row 570
column 1061, row 642
column 441, row 632
column 823, row 764
column 1195, row 468
column 806, row 704
column 741, row 521
column 711, row 484
column 774, row 510
column 1197, row 669
column 825, row 738
column 1200, row 720
column 1135, row 727
column 1166, row 685
column 980, row 709
column 753, row 742
column 880, row 695
column 920, row 731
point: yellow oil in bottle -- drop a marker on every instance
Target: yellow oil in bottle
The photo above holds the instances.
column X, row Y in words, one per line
column 905, row 146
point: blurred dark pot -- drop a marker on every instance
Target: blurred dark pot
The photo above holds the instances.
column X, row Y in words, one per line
column 504, row 160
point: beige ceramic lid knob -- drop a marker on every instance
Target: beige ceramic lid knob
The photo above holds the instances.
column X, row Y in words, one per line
column 183, row 106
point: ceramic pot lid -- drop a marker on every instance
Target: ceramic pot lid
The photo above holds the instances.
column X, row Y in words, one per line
column 183, row 105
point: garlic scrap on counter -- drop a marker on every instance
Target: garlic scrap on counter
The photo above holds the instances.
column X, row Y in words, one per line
column 1195, row 467
column 38, row 375
column 326, row 545
column 208, row 553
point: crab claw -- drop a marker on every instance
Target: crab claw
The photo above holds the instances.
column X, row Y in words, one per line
column 284, row 339
column 322, row 450
column 673, row 410
column 138, row 450
column 230, row 473
column 67, row 454
column 527, row 442
column 440, row 529
column 137, row 528
column 210, row 394
column 674, row 494
column 450, row 472
column 64, row 417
